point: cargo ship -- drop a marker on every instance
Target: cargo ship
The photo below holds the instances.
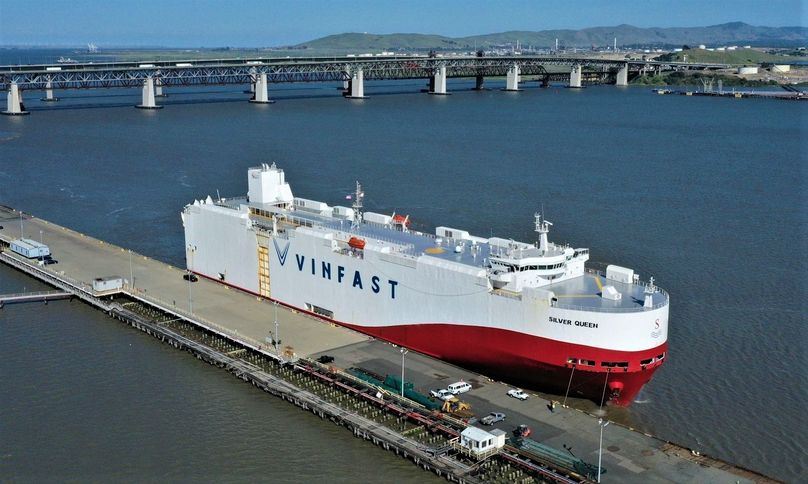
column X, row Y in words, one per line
column 527, row 313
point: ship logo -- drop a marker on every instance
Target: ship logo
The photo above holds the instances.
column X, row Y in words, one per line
column 281, row 253
column 654, row 334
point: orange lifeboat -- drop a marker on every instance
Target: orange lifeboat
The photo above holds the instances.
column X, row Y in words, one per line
column 356, row 243
column 401, row 220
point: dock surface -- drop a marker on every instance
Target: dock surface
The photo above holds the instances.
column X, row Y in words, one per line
column 629, row 456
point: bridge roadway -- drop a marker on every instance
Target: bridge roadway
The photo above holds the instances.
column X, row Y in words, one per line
column 152, row 76
column 629, row 456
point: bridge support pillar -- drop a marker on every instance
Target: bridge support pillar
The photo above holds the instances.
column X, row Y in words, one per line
column 439, row 84
column 148, row 95
column 253, row 78
column 479, row 85
column 356, row 86
column 158, row 88
column 261, row 94
column 15, row 107
column 575, row 77
column 49, row 92
column 622, row 76
column 512, row 80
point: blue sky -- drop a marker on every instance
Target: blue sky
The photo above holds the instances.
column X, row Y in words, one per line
column 262, row 23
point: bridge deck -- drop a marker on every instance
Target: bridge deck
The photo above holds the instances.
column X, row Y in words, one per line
column 282, row 70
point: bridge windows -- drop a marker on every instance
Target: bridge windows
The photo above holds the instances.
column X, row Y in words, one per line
column 549, row 267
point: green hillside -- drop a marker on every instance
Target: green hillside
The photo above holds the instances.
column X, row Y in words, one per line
column 356, row 43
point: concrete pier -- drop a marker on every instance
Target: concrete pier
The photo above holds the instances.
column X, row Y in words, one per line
column 14, row 105
column 512, row 80
column 240, row 323
column 158, row 88
column 575, row 77
column 622, row 76
column 356, row 86
column 148, row 95
column 253, row 80
column 49, row 92
column 438, row 82
column 261, row 91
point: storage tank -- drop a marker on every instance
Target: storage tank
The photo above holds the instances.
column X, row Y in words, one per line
column 748, row 70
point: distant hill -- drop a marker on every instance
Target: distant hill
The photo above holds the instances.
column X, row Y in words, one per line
column 735, row 33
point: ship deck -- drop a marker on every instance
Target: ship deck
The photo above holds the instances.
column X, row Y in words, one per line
column 580, row 293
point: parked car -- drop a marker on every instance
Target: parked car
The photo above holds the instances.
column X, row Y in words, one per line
column 190, row 277
column 441, row 393
column 518, row 394
column 493, row 418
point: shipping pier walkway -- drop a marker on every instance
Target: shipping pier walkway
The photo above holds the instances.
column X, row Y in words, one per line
column 34, row 297
column 246, row 322
column 353, row 71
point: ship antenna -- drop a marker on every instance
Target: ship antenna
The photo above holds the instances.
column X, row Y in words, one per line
column 357, row 207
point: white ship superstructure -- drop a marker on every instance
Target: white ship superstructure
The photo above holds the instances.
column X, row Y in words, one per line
column 526, row 312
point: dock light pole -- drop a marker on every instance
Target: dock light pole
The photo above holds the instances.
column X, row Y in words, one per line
column 131, row 272
column 602, row 424
column 276, row 324
column 191, row 250
column 404, row 351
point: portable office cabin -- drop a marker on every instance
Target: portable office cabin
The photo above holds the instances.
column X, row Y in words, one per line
column 478, row 441
column 110, row 283
column 29, row 248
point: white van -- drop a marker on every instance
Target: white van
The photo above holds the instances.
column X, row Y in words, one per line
column 459, row 387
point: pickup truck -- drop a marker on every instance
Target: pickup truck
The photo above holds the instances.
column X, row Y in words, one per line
column 493, row 418
column 442, row 393
column 518, row 394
